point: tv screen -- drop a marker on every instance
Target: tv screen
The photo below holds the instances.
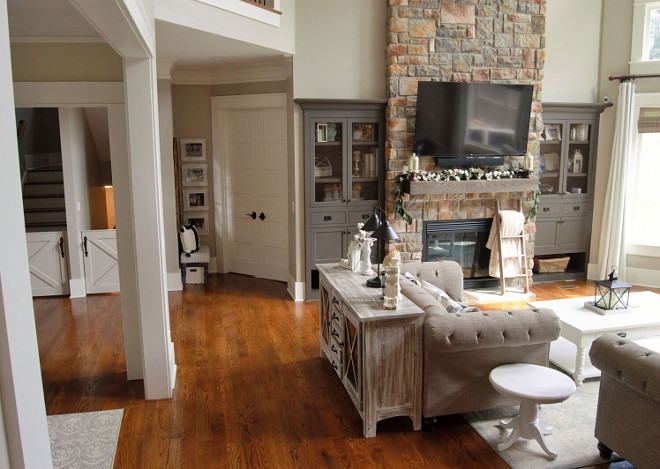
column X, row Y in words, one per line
column 472, row 120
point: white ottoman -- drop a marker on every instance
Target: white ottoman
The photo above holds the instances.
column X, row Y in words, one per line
column 533, row 385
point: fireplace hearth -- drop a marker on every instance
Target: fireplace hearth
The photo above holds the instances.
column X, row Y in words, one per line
column 462, row 241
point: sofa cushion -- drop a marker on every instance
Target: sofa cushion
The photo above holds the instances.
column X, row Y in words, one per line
column 446, row 275
column 423, row 299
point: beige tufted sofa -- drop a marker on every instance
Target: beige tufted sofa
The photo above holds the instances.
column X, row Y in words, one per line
column 461, row 349
column 628, row 401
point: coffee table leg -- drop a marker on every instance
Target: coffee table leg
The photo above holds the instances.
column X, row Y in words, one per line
column 579, row 366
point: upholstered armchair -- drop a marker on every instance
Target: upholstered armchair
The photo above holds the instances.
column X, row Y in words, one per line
column 628, row 401
column 461, row 349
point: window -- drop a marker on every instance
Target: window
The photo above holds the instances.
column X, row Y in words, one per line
column 645, row 51
column 643, row 224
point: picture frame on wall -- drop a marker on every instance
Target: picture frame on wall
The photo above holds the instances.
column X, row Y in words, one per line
column 193, row 149
column 194, row 175
column 200, row 220
column 195, row 199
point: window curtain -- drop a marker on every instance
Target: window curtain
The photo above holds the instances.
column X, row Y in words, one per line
column 612, row 249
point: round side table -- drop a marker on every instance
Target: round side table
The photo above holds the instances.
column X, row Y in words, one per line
column 533, row 385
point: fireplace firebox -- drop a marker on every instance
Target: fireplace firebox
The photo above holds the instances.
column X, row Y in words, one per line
column 463, row 241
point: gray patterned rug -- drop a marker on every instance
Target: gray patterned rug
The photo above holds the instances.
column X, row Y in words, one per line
column 86, row 440
column 574, row 421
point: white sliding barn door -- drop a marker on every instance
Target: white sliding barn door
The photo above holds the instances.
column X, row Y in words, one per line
column 48, row 266
column 254, row 186
column 100, row 259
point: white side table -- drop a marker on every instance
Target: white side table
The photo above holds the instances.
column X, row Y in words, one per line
column 533, row 385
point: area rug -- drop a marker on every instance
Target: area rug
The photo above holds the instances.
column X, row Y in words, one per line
column 86, row 440
column 573, row 438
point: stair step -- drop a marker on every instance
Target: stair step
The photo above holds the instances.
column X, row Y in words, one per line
column 43, row 190
column 46, row 168
column 44, row 224
column 44, row 209
column 41, row 202
column 45, row 217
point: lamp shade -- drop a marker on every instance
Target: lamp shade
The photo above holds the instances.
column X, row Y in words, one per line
column 372, row 224
column 385, row 231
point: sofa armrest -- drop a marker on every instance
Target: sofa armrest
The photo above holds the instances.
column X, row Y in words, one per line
column 486, row 329
column 633, row 365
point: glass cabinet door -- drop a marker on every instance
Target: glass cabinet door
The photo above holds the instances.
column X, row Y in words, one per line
column 577, row 180
column 364, row 162
column 550, row 159
column 328, row 163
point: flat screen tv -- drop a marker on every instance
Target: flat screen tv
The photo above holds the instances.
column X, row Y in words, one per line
column 472, row 123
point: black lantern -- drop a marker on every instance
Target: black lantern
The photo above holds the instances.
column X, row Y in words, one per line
column 383, row 231
column 611, row 294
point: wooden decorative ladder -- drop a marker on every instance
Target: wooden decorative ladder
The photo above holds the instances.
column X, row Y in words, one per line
column 521, row 254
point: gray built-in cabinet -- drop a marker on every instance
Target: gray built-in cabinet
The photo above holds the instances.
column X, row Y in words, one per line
column 344, row 173
column 567, row 169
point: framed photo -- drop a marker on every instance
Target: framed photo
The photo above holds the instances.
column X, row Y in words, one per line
column 200, row 220
column 553, row 132
column 195, row 199
column 364, row 132
column 194, row 174
column 193, row 149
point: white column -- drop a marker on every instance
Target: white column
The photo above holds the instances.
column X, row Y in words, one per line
column 21, row 389
column 120, row 164
column 147, row 210
column 170, row 221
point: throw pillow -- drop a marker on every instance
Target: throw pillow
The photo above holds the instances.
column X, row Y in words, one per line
column 412, row 278
column 450, row 305
column 189, row 239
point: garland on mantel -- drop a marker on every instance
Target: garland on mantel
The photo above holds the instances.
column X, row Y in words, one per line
column 457, row 175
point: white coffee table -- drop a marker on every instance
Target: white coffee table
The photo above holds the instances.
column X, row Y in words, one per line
column 533, row 385
column 581, row 326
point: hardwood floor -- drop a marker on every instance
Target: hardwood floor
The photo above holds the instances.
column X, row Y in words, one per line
column 251, row 390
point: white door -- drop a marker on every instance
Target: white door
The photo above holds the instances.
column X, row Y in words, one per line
column 47, row 259
column 100, row 260
column 254, row 146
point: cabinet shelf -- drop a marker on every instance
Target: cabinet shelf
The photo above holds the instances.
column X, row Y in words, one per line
column 578, row 142
column 327, row 180
column 550, row 142
column 576, row 175
column 328, row 144
column 364, row 142
column 548, row 174
column 356, row 179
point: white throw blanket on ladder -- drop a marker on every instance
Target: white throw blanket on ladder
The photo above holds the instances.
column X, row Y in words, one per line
column 511, row 224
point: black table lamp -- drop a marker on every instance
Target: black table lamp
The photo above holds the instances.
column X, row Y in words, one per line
column 381, row 230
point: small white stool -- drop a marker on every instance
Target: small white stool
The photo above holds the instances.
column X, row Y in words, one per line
column 533, row 385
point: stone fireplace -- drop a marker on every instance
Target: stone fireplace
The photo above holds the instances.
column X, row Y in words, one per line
column 465, row 41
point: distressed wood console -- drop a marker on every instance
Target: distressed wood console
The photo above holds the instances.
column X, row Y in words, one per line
column 376, row 353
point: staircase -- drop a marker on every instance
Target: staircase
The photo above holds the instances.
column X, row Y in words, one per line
column 43, row 199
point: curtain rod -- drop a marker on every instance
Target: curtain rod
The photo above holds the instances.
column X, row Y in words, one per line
column 632, row 77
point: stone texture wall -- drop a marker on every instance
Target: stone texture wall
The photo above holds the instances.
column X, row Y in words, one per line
column 497, row 41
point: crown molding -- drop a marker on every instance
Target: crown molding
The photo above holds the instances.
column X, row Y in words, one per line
column 228, row 73
column 57, row 39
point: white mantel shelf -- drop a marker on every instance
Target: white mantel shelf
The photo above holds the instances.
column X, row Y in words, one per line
column 471, row 186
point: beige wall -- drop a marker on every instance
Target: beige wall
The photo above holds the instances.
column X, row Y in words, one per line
column 37, row 62
column 340, row 49
column 572, row 51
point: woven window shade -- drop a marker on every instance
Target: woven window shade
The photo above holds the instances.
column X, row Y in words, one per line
column 649, row 120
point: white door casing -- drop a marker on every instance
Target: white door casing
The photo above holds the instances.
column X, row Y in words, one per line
column 101, row 262
column 49, row 274
column 251, row 175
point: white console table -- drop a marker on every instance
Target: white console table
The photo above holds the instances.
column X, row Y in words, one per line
column 580, row 326
column 376, row 353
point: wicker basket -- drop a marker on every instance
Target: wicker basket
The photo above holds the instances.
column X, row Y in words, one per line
column 556, row 264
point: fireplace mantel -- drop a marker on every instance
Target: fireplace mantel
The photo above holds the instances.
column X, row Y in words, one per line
column 470, row 186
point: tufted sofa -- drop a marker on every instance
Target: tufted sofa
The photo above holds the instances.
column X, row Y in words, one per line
column 628, row 401
column 461, row 349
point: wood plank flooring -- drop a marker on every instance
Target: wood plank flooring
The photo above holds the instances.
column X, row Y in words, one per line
column 251, row 390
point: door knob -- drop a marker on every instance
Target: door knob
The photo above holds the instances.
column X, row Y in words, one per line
column 253, row 215
column 262, row 217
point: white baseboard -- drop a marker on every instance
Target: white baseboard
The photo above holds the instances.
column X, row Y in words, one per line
column 174, row 282
column 643, row 277
column 77, row 288
column 296, row 289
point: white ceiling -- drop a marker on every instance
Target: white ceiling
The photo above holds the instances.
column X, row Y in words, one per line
column 58, row 20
